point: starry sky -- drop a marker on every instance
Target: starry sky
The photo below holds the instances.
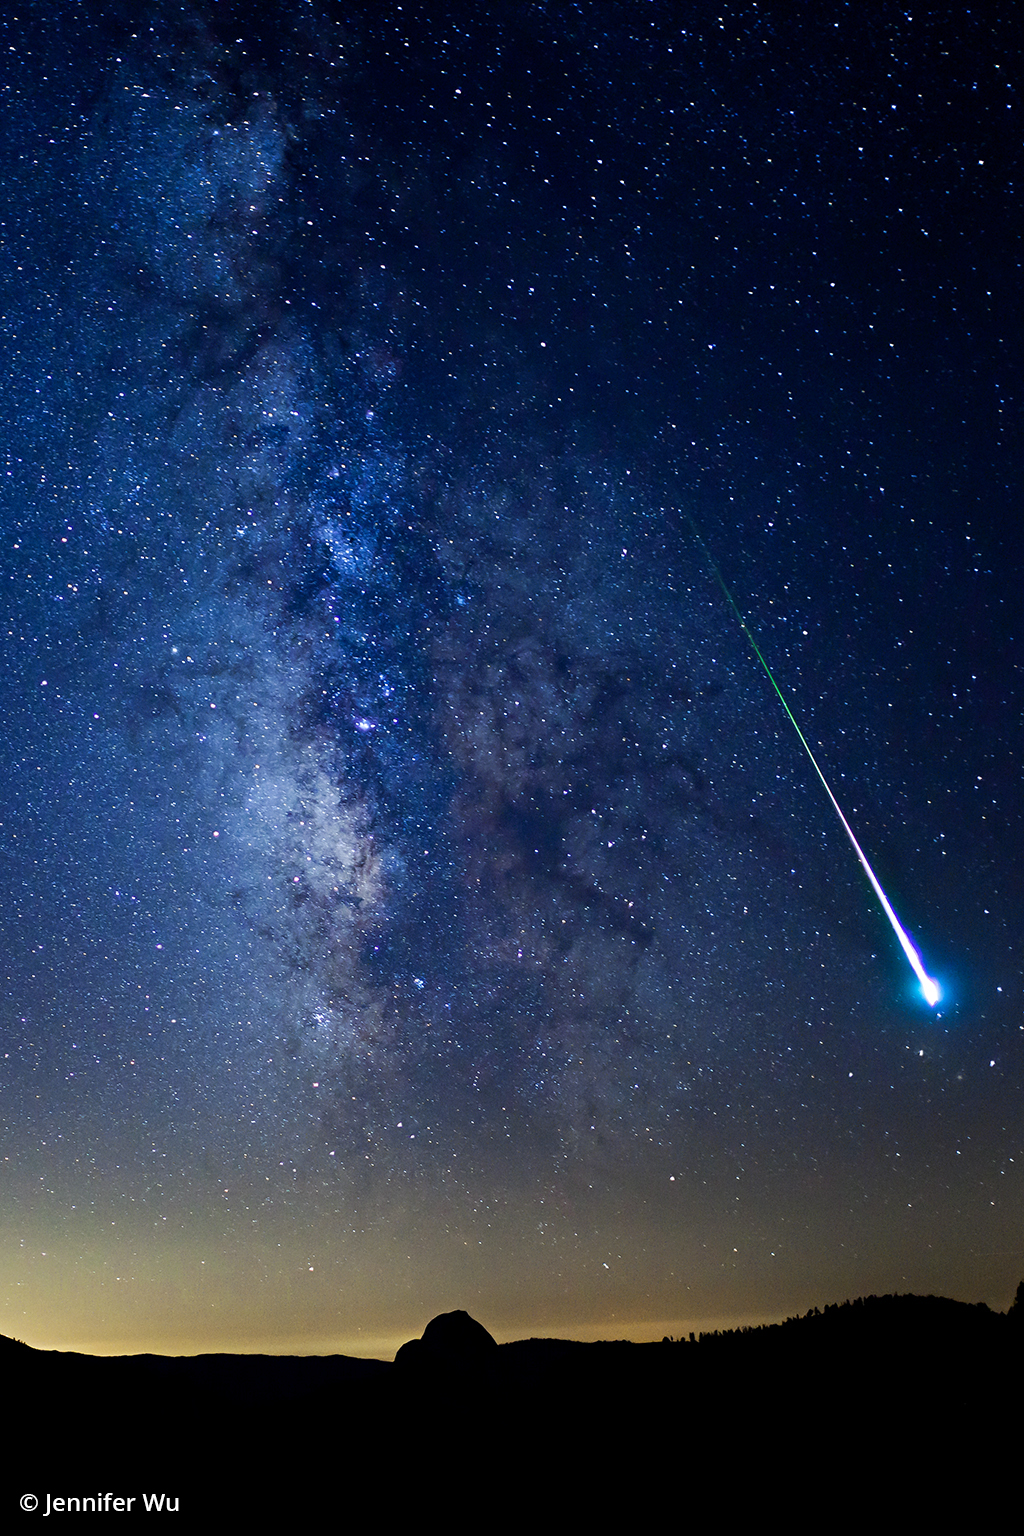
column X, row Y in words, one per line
column 415, row 895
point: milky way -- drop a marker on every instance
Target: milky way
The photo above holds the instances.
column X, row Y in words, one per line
column 399, row 836
column 420, row 699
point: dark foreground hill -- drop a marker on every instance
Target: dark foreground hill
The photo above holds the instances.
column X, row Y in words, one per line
column 914, row 1401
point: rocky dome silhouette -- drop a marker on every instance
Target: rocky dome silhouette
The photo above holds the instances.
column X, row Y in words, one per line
column 452, row 1342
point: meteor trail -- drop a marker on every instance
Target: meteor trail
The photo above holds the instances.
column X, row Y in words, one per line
column 930, row 988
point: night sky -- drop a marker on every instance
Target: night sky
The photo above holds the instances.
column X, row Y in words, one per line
column 414, row 893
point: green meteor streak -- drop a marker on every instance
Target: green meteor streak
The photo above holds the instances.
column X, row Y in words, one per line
column 930, row 988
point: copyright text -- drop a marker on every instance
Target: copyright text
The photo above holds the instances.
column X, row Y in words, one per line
column 100, row 1503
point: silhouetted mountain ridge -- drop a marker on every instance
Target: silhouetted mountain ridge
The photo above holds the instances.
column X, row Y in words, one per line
column 877, row 1380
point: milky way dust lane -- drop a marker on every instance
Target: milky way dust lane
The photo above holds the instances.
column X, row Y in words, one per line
column 930, row 988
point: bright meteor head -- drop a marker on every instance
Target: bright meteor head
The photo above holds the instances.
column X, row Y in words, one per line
column 931, row 989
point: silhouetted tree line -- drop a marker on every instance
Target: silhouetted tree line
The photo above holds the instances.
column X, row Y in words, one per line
column 879, row 1312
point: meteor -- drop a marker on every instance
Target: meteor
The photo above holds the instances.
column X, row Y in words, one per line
column 930, row 989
